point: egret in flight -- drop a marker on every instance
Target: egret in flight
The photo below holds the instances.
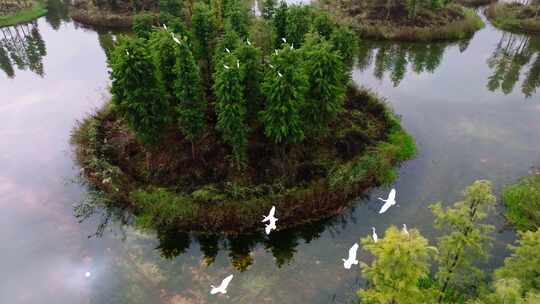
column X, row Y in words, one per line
column 390, row 201
column 271, row 219
column 223, row 287
column 374, row 235
column 352, row 257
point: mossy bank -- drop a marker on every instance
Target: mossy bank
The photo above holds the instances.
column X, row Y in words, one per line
column 362, row 150
column 15, row 12
column 376, row 20
column 515, row 17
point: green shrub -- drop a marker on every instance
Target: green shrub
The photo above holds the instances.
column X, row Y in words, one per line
column 522, row 202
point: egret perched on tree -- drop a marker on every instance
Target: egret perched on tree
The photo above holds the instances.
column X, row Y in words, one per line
column 227, row 50
column 226, row 66
column 165, row 27
column 279, row 74
column 271, row 219
column 271, row 66
column 127, row 52
column 223, row 287
column 248, row 42
column 276, row 51
column 352, row 257
column 292, row 46
column 284, row 40
column 404, row 230
column 176, row 39
column 390, row 201
column 374, row 235
column 237, row 63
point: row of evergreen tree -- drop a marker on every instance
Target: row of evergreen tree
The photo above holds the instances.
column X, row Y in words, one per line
column 286, row 75
column 406, row 269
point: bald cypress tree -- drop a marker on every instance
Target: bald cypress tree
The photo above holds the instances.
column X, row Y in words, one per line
column 284, row 87
column 231, row 107
column 190, row 106
column 137, row 94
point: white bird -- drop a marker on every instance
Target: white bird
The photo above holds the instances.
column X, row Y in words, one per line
column 271, row 65
column 238, row 64
column 404, row 230
column 226, row 66
column 228, row 51
column 275, row 51
column 87, row 274
column 284, row 40
column 127, row 53
column 390, row 201
column 374, row 235
column 271, row 219
column 248, row 42
column 352, row 257
column 176, row 40
column 223, row 287
column 165, row 27
column 279, row 74
column 292, row 46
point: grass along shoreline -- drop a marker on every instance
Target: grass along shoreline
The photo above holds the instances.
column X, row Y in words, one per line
column 515, row 17
column 237, row 209
column 37, row 10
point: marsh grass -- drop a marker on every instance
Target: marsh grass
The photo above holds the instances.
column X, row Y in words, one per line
column 515, row 17
column 25, row 15
column 453, row 30
column 522, row 201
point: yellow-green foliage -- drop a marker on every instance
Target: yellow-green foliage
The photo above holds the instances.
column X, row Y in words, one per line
column 401, row 262
column 522, row 202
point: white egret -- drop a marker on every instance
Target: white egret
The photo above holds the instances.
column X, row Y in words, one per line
column 279, row 74
column 374, row 235
column 271, row 66
column 404, row 230
column 276, row 51
column 223, row 287
column 165, row 27
column 127, row 52
column 176, row 40
column 237, row 63
column 248, row 42
column 271, row 219
column 227, row 50
column 292, row 46
column 226, row 66
column 390, row 201
column 352, row 257
column 284, row 40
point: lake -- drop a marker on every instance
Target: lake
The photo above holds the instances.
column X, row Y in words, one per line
column 472, row 106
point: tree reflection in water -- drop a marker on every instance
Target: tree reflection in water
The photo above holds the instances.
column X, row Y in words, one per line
column 515, row 55
column 22, row 46
column 282, row 244
column 394, row 58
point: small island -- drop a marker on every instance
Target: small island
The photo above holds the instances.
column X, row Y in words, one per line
column 14, row 12
column 212, row 124
column 516, row 16
column 410, row 20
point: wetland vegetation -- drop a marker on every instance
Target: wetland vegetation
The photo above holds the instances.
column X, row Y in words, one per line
column 516, row 15
column 18, row 11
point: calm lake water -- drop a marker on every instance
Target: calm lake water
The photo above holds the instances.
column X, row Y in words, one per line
column 472, row 107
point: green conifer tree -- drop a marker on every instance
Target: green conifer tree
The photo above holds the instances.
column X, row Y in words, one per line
column 326, row 87
column 280, row 22
column 298, row 24
column 284, row 87
column 466, row 239
column 204, row 34
column 143, row 24
column 137, row 95
column 231, row 107
column 190, row 107
column 251, row 75
column 268, row 9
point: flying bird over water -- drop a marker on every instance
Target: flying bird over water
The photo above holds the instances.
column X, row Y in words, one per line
column 271, row 219
column 390, row 201
column 374, row 235
column 223, row 287
column 352, row 257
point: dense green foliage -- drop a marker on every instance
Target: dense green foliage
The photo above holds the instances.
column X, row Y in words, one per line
column 400, row 270
column 14, row 12
column 522, row 202
column 516, row 16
